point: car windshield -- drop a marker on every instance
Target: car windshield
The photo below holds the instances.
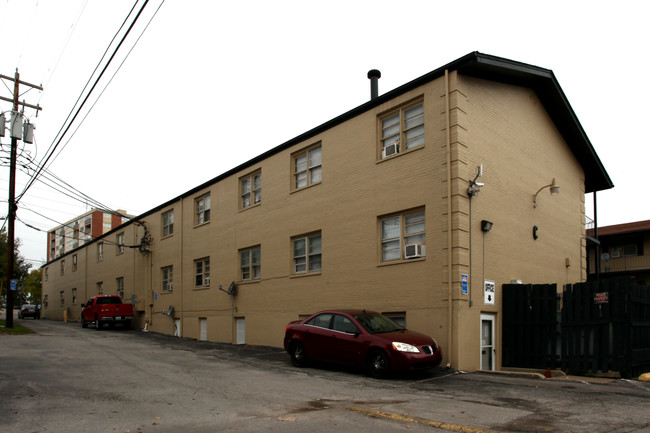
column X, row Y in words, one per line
column 376, row 323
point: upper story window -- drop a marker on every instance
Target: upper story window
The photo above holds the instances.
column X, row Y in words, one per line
column 74, row 262
column 250, row 190
column 403, row 236
column 402, row 129
column 168, row 223
column 62, row 267
column 202, row 209
column 120, row 243
column 307, row 253
column 250, row 263
column 46, row 274
column 100, row 251
column 202, row 272
column 307, row 167
column 100, row 288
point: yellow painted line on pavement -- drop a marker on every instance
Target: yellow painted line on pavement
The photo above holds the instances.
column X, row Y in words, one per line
column 407, row 418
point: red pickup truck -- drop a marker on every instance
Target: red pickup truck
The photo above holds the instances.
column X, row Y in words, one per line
column 106, row 309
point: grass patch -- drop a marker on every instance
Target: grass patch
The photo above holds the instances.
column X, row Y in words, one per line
column 16, row 330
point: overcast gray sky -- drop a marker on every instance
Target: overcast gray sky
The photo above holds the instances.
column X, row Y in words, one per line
column 212, row 84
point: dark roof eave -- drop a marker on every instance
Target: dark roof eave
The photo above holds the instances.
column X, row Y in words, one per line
column 552, row 96
column 481, row 66
column 487, row 67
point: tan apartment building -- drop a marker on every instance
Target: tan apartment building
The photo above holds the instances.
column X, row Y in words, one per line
column 419, row 203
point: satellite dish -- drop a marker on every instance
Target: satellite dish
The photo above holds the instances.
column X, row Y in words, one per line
column 232, row 289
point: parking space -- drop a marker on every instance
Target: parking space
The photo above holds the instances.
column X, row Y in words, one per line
column 68, row 379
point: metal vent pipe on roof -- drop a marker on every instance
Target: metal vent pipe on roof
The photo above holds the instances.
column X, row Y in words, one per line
column 374, row 75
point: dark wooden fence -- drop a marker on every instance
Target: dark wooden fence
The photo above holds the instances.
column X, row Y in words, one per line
column 591, row 327
column 530, row 326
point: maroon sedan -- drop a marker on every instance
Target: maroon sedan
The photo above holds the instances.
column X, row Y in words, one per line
column 360, row 337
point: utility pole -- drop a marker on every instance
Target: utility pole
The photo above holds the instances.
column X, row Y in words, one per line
column 11, row 216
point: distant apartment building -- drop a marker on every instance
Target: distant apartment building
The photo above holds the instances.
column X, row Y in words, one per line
column 83, row 229
column 624, row 252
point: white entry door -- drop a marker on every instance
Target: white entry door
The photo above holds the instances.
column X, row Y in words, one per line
column 488, row 350
column 203, row 326
column 241, row 330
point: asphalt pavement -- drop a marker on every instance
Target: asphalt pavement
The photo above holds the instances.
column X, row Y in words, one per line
column 68, row 379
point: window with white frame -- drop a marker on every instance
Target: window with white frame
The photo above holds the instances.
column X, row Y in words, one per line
column 168, row 223
column 74, row 262
column 119, row 282
column 403, row 236
column 202, row 208
column 120, row 243
column 167, row 278
column 402, row 129
column 100, row 288
column 307, row 253
column 202, row 272
column 250, row 190
column 307, row 167
column 100, row 251
column 250, row 263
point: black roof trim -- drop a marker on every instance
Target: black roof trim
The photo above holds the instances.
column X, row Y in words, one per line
column 481, row 66
column 477, row 65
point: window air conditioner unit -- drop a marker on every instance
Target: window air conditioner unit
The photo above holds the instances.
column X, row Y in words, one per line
column 168, row 287
column 390, row 150
column 206, row 281
column 615, row 253
column 413, row 251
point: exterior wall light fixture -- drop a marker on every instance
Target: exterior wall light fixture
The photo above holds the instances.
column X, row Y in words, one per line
column 486, row 225
column 555, row 190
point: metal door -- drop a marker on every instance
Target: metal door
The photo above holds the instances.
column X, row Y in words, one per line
column 241, row 330
column 203, row 325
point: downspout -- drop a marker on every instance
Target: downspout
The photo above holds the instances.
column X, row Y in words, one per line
column 597, row 261
column 180, row 334
column 450, row 305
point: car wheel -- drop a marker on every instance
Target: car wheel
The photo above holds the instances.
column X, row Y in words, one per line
column 98, row 324
column 378, row 364
column 84, row 324
column 298, row 354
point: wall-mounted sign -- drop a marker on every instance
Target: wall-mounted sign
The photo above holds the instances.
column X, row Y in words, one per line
column 488, row 292
column 601, row 298
column 463, row 284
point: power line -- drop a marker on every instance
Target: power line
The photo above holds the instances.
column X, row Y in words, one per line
column 51, row 152
column 109, row 82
